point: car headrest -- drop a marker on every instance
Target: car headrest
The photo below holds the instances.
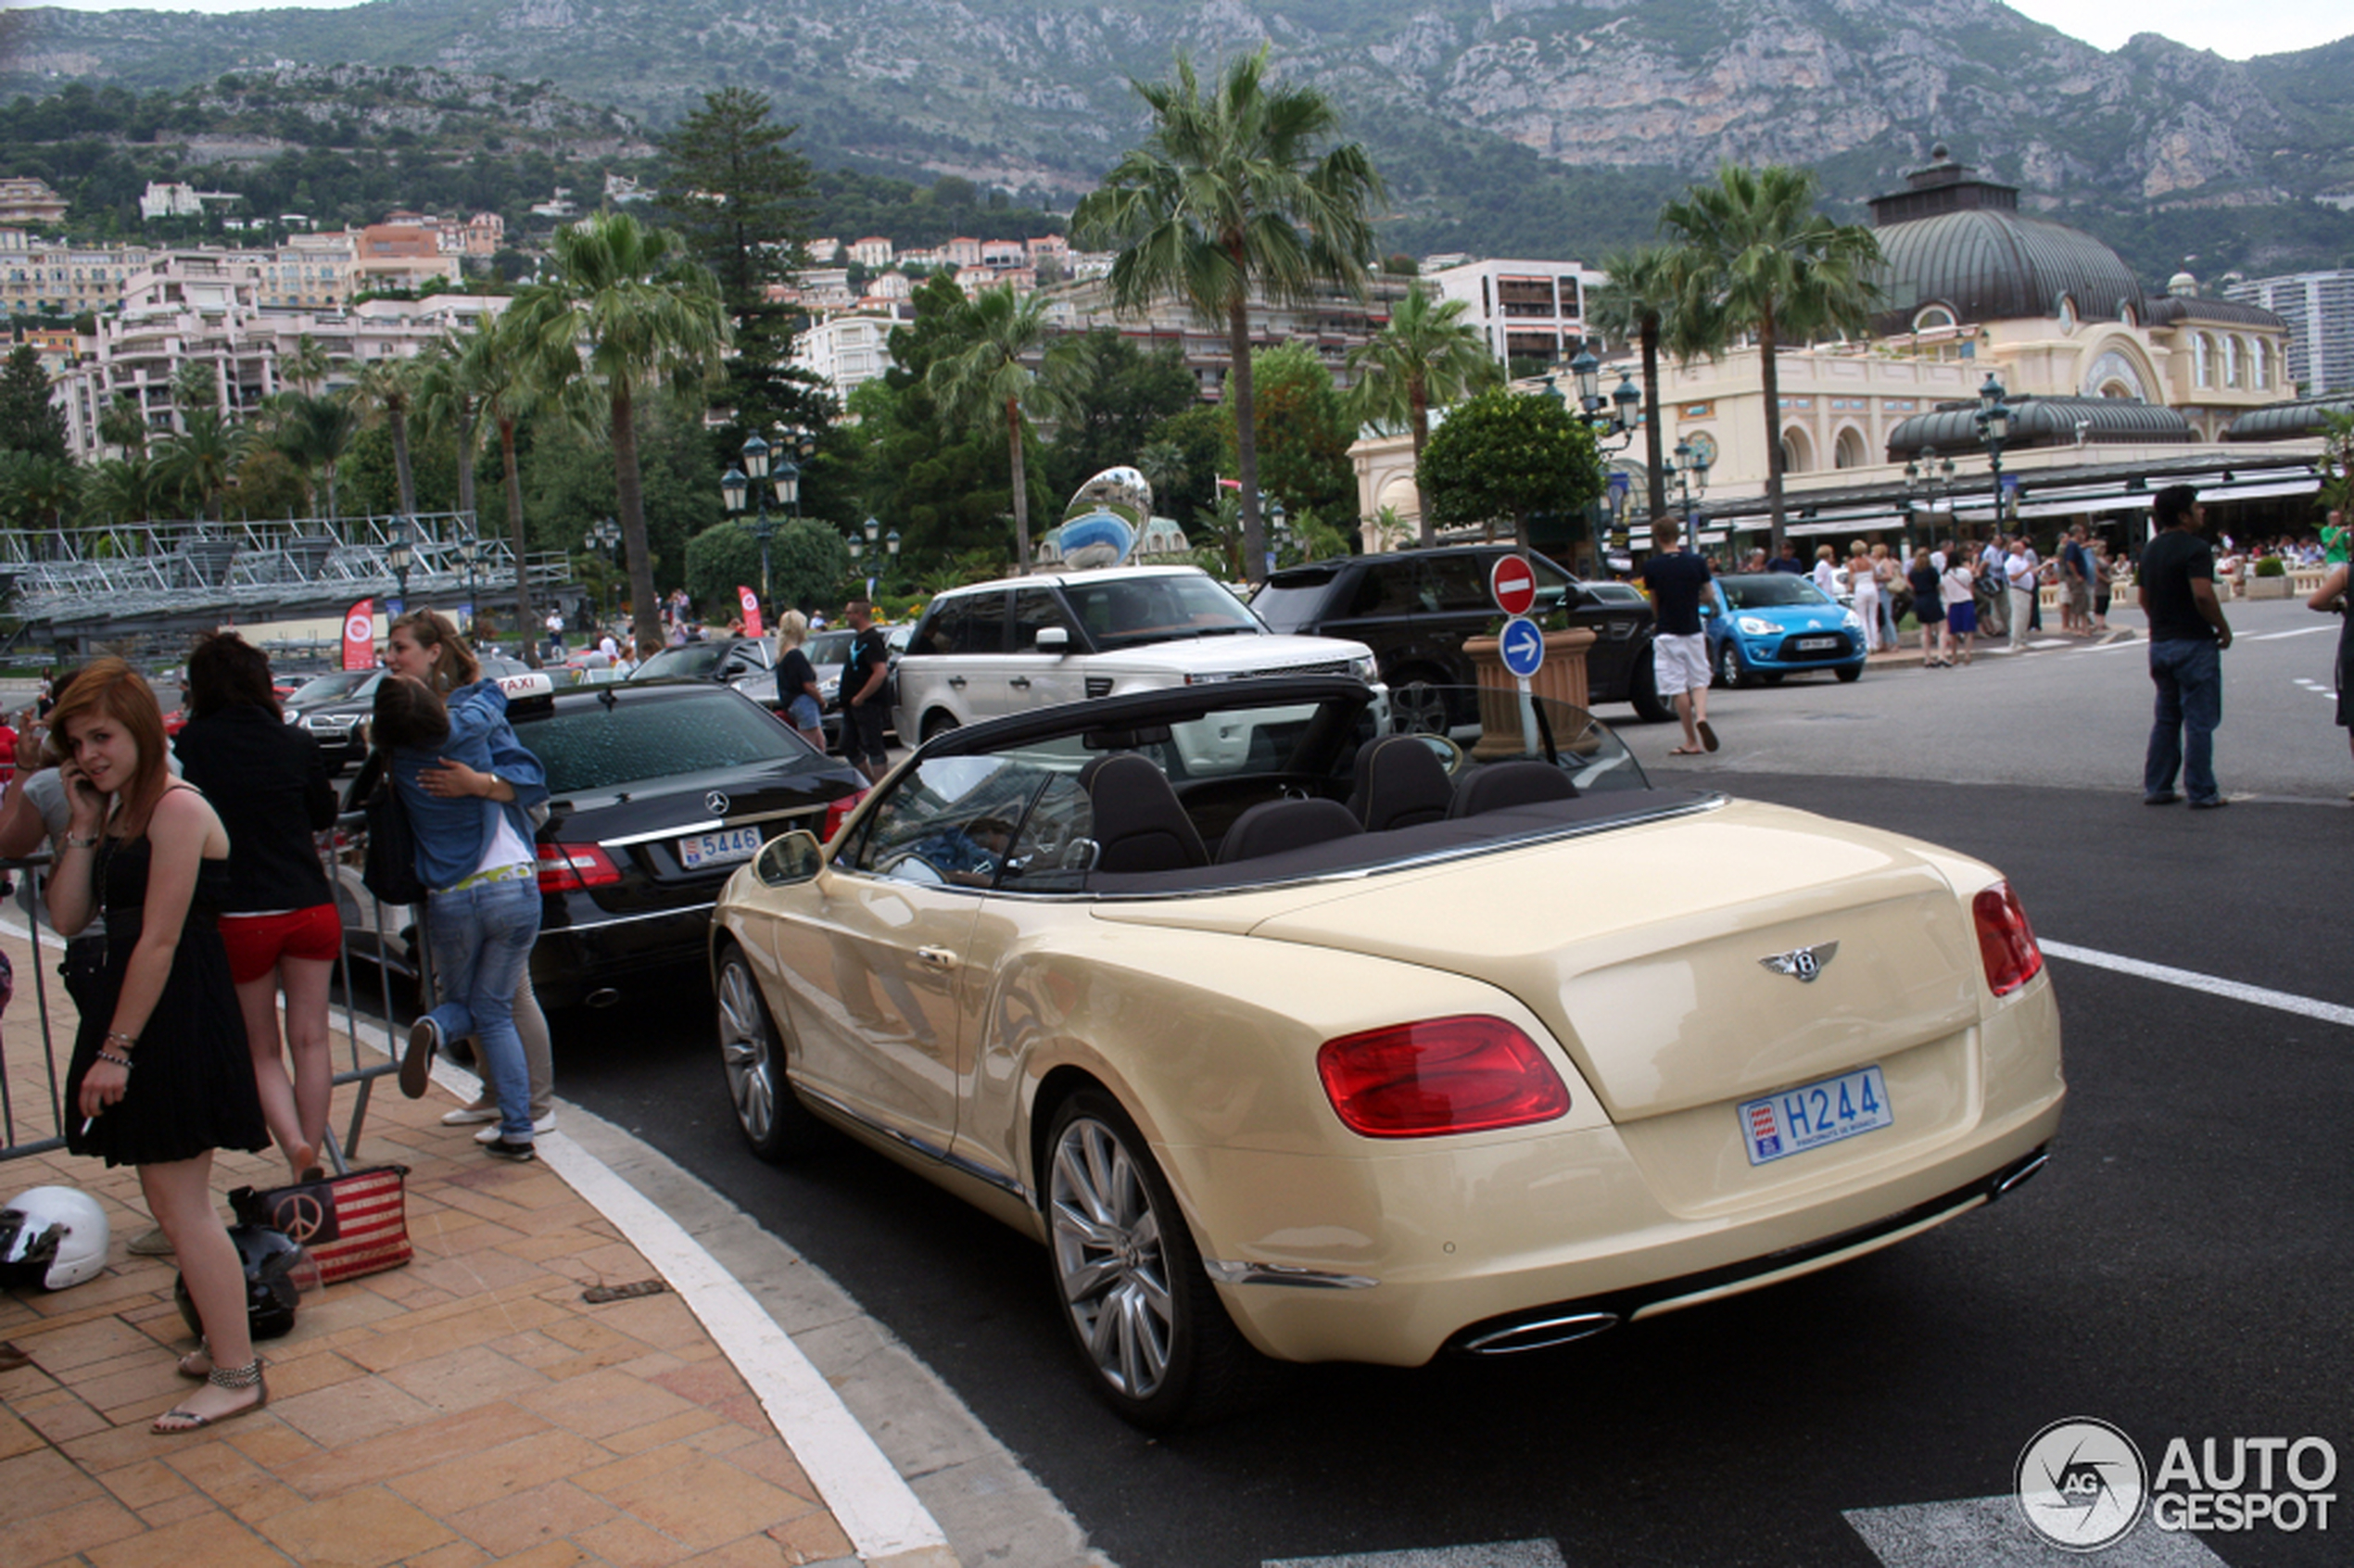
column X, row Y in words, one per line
column 1399, row 782
column 1505, row 784
column 1138, row 819
column 1272, row 827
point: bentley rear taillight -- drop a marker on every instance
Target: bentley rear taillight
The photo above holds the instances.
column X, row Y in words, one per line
column 2006, row 942
column 563, row 867
column 1465, row 1074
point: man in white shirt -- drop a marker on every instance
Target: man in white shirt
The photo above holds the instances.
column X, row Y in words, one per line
column 2019, row 571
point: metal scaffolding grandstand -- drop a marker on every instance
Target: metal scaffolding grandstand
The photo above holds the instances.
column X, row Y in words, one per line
column 78, row 587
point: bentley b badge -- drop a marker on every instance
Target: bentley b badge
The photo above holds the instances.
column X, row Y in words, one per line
column 1803, row 964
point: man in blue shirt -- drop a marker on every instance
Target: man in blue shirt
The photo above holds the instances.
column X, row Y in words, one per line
column 1676, row 578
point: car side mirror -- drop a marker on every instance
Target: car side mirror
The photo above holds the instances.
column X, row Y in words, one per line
column 788, row 859
column 1053, row 639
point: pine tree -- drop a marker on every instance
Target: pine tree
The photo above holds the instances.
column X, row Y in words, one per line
column 28, row 421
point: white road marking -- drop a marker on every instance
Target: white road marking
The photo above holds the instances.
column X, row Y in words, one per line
column 1989, row 1533
column 2255, row 995
column 1496, row 1554
column 2277, row 637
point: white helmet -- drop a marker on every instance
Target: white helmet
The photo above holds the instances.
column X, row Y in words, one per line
column 51, row 1236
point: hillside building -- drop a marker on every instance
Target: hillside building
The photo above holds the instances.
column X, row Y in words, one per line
column 178, row 200
column 26, row 200
column 209, row 306
column 845, row 352
column 1332, row 323
column 2318, row 309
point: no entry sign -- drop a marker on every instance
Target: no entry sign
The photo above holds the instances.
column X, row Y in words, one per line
column 1514, row 584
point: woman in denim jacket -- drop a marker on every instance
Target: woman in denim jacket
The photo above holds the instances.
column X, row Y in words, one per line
column 465, row 784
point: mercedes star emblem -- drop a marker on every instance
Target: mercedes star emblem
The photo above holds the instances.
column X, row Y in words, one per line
column 716, row 802
column 1803, row 964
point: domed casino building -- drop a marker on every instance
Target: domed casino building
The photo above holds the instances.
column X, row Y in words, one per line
column 2112, row 391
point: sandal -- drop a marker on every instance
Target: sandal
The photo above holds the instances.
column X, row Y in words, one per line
column 174, row 1422
column 1686, row 751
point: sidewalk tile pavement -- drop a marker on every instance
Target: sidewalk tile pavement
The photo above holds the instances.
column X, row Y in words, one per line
column 470, row 1407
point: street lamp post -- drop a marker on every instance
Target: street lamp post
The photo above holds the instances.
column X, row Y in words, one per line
column 1690, row 465
column 891, row 547
column 606, row 536
column 469, row 552
column 1993, row 429
column 1929, row 478
column 399, row 554
column 1278, row 531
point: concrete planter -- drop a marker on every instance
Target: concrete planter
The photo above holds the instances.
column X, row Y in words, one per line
column 1562, row 678
column 2267, row 588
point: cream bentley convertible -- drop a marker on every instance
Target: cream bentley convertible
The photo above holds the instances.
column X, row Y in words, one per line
column 1292, row 1039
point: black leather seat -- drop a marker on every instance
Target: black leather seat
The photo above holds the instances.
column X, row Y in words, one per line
column 1139, row 822
column 1499, row 786
column 1399, row 782
column 1272, row 827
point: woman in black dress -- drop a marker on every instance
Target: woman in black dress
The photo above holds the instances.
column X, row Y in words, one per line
column 160, row 1075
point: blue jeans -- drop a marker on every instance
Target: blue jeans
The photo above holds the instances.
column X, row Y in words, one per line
column 481, row 940
column 2189, row 676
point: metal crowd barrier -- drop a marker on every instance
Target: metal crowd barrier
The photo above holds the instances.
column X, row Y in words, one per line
column 33, row 1129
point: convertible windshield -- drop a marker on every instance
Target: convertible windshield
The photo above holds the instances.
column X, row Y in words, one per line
column 1126, row 611
column 1779, row 590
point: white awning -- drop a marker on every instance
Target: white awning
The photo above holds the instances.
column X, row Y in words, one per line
column 2304, row 487
column 2071, row 506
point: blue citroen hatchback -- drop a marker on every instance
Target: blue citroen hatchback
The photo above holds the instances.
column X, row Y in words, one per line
column 1764, row 625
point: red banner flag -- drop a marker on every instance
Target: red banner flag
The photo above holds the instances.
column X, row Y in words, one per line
column 360, row 636
column 750, row 602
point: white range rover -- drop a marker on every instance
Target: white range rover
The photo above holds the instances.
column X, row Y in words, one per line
column 1060, row 637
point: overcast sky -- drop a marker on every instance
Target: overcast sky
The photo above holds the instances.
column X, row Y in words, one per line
column 2272, row 27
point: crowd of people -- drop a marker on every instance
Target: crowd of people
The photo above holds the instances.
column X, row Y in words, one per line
column 201, row 932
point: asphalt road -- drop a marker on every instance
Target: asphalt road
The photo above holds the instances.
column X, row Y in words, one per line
column 2182, row 1268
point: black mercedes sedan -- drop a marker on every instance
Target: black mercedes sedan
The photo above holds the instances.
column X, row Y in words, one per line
column 656, row 794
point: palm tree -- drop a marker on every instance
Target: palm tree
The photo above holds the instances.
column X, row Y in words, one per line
column 306, row 367
column 387, row 389
column 123, row 490
column 624, row 308
column 447, row 399
column 987, row 381
column 1225, row 199
column 1636, row 306
column 1758, row 258
column 315, row 434
column 1426, row 354
column 201, row 461
column 496, row 361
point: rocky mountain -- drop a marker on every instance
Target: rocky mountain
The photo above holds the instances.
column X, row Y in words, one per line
column 1034, row 94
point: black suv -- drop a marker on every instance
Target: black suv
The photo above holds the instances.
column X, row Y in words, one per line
column 1414, row 608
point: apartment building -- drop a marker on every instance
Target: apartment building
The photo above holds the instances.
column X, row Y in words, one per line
column 26, row 200
column 846, row 351
column 2319, row 308
column 209, row 308
column 1332, row 323
column 1528, row 310
column 63, row 280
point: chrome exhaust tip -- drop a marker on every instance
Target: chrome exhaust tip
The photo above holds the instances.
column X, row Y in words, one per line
column 1541, row 1333
column 2018, row 1173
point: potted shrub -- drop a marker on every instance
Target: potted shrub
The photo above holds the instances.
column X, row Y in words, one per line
column 2269, row 578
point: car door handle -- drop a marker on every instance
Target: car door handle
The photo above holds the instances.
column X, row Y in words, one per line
column 956, row 681
column 936, row 957
column 1020, row 683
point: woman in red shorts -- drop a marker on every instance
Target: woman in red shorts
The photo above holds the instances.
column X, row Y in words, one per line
column 269, row 783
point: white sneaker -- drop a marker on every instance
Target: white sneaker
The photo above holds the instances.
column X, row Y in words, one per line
column 468, row 1116
column 490, row 1134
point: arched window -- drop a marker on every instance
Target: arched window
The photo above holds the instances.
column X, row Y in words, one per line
column 2202, row 367
column 1796, row 452
column 1931, row 317
column 1848, row 451
column 2259, row 370
column 2231, row 362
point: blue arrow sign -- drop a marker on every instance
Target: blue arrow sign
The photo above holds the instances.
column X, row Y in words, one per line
column 1523, row 646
